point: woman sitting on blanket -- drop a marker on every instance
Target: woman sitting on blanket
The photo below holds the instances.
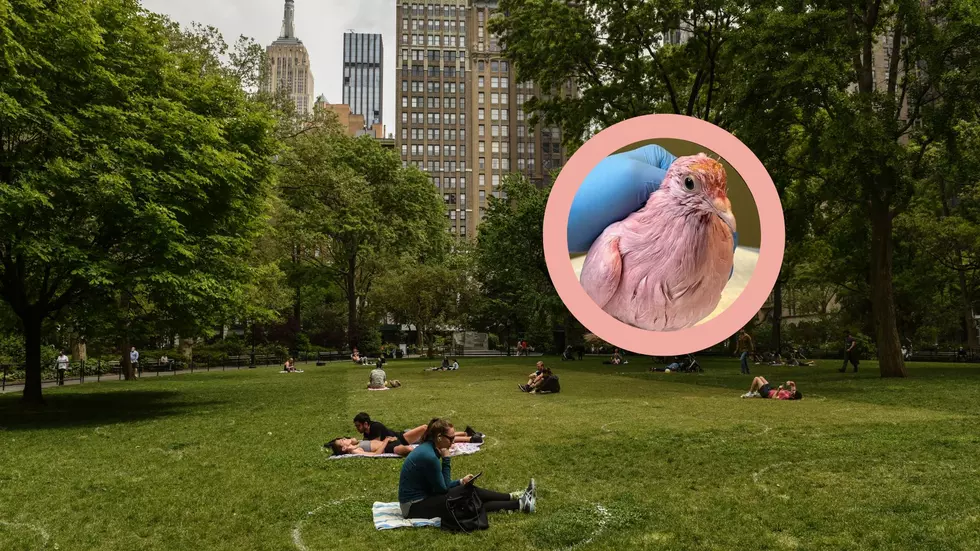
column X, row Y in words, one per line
column 761, row 389
column 425, row 483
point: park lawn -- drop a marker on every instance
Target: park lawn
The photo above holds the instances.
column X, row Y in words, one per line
column 623, row 459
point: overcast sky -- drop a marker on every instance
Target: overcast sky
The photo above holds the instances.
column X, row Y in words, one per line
column 320, row 24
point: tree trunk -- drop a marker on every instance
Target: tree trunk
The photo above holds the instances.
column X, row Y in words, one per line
column 889, row 346
column 968, row 321
column 298, row 308
column 32, row 369
column 351, row 302
column 777, row 316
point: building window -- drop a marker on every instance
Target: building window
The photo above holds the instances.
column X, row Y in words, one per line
column 495, row 180
column 494, row 98
column 504, row 67
column 494, row 114
column 482, row 97
column 482, row 180
column 505, row 164
column 494, row 82
column 404, row 150
column 503, row 114
column 495, row 131
column 483, row 196
column 481, row 114
column 494, row 66
column 483, row 163
column 483, row 147
column 481, row 65
column 495, row 147
column 480, row 82
column 504, row 82
column 482, row 132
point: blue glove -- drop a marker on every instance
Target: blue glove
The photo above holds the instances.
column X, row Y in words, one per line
column 618, row 186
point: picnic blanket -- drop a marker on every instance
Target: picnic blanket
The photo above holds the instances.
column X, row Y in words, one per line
column 382, row 388
column 389, row 515
column 467, row 448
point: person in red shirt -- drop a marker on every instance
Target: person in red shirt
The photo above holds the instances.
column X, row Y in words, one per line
column 762, row 389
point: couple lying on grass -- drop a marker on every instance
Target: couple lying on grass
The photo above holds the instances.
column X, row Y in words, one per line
column 426, row 480
column 379, row 439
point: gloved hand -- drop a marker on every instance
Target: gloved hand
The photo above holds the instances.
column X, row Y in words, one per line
column 618, row 186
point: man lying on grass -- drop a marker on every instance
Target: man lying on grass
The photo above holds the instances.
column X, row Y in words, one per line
column 375, row 430
column 762, row 389
column 426, row 482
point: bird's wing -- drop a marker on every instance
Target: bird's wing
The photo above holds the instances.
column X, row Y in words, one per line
column 603, row 268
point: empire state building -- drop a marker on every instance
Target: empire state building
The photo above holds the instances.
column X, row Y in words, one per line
column 289, row 65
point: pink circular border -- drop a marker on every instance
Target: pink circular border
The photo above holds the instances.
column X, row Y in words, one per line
column 771, row 250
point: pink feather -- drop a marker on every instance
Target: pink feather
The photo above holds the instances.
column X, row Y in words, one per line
column 665, row 266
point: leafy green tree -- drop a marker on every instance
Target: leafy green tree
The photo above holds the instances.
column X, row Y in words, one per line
column 130, row 165
column 421, row 294
column 516, row 289
column 354, row 212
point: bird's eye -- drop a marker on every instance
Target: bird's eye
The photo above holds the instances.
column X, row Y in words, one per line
column 689, row 184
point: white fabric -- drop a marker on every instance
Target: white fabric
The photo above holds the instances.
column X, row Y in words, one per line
column 388, row 516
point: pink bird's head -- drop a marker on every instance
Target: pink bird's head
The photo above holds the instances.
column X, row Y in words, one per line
column 698, row 182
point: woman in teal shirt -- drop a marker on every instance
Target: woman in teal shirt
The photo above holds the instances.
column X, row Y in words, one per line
column 426, row 479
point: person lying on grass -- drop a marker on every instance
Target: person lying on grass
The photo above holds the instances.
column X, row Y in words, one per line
column 446, row 366
column 353, row 446
column 375, row 430
column 762, row 389
column 426, row 480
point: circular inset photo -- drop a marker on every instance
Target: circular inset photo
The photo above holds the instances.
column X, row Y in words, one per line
column 664, row 235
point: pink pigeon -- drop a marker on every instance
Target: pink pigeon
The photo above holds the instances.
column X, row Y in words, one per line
column 665, row 266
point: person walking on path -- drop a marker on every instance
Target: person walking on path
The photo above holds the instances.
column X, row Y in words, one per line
column 134, row 359
column 62, row 368
column 745, row 346
column 850, row 353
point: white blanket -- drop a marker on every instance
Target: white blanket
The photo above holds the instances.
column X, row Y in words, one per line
column 389, row 515
column 467, row 448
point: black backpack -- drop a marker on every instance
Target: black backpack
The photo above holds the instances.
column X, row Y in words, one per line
column 550, row 384
column 465, row 512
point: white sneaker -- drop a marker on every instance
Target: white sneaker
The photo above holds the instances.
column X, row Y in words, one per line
column 527, row 504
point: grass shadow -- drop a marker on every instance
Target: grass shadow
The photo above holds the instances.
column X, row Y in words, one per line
column 94, row 408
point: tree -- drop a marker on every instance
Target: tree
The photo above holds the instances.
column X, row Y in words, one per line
column 869, row 132
column 420, row 294
column 355, row 212
column 615, row 53
column 514, row 281
column 129, row 166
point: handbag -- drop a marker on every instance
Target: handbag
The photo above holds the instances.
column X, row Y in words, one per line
column 465, row 512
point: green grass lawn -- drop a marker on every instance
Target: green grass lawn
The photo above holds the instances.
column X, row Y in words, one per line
column 623, row 458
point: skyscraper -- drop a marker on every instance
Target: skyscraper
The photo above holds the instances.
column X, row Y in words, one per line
column 364, row 76
column 459, row 113
column 289, row 65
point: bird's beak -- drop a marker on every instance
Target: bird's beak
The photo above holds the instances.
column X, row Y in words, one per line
column 724, row 209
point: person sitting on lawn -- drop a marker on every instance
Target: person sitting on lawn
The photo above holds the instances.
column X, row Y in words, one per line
column 533, row 377
column 379, row 379
column 290, row 366
column 546, row 382
column 762, row 389
column 356, row 356
column 425, row 482
column 375, row 430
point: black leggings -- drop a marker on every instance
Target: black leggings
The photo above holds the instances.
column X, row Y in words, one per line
column 435, row 506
